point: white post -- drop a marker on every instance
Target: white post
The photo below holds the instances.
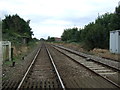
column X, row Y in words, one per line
column 6, row 44
column 9, row 50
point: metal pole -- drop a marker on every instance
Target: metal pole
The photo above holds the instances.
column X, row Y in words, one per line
column 11, row 54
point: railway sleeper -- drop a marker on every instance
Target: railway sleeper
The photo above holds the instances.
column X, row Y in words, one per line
column 12, row 85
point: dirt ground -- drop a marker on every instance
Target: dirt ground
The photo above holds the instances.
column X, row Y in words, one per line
column 16, row 72
column 21, row 65
column 96, row 51
column 75, row 75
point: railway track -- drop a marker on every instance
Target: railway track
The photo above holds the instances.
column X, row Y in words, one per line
column 55, row 68
column 108, row 62
column 107, row 72
column 42, row 73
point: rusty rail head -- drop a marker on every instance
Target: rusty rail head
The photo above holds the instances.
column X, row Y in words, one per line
column 28, row 70
column 58, row 75
column 54, row 46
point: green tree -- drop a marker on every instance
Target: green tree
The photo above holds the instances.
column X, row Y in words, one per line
column 117, row 18
column 95, row 34
column 14, row 28
column 50, row 39
column 70, row 34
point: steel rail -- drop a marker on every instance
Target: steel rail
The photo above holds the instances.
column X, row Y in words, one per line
column 85, row 56
column 58, row 75
column 88, row 68
column 28, row 70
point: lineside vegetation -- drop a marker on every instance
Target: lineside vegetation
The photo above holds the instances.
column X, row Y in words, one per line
column 95, row 34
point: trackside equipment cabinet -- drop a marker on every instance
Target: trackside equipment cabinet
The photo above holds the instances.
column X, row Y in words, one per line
column 115, row 41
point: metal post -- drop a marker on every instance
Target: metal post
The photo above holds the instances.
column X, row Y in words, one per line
column 13, row 62
column 11, row 54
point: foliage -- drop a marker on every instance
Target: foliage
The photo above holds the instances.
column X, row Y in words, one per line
column 70, row 34
column 95, row 34
column 50, row 39
column 15, row 28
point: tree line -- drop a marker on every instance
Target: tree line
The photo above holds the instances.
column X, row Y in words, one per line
column 95, row 34
column 14, row 28
column 50, row 39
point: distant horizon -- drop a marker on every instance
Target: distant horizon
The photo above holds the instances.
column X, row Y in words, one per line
column 51, row 18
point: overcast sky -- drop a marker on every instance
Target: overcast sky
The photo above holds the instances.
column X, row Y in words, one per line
column 51, row 17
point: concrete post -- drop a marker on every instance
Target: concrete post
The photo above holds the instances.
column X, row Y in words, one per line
column 5, row 45
column 9, row 50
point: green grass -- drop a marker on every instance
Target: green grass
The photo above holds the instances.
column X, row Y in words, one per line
column 7, row 63
column 18, row 58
